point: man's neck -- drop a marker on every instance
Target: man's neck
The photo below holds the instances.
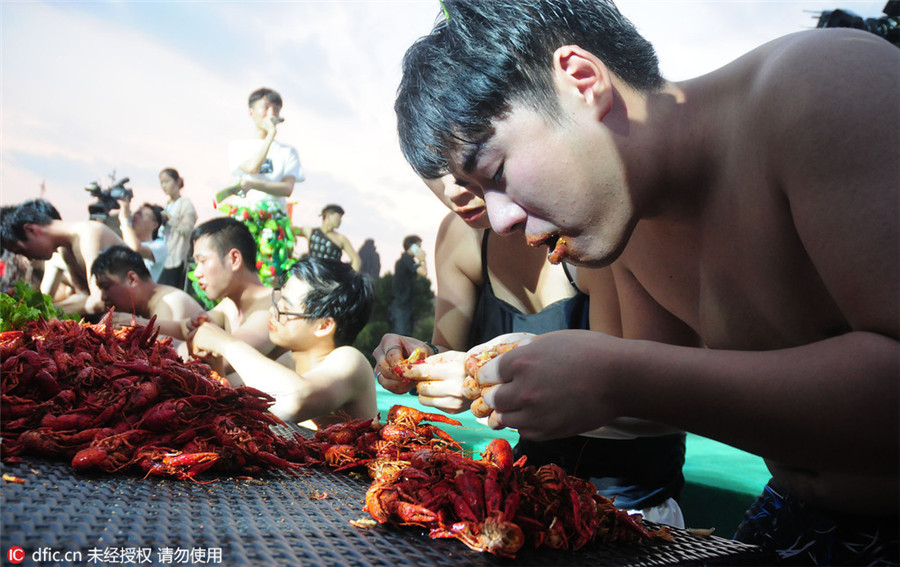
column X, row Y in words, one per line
column 62, row 234
column 305, row 360
column 669, row 164
column 246, row 292
column 147, row 297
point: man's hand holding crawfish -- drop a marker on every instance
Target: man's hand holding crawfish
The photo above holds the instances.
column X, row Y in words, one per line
column 208, row 339
column 390, row 352
column 441, row 380
column 198, row 343
column 531, row 388
column 403, row 363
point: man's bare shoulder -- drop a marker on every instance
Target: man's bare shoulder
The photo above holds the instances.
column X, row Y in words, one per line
column 352, row 363
column 459, row 245
column 181, row 305
column 806, row 75
column 96, row 231
column 262, row 301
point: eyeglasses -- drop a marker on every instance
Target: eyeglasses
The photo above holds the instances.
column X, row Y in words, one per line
column 281, row 315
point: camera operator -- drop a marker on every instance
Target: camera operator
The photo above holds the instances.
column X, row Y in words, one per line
column 141, row 232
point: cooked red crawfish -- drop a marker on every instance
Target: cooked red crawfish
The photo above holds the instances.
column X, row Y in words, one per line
column 183, row 466
column 113, row 399
column 471, row 388
column 496, row 504
column 417, row 356
column 357, row 443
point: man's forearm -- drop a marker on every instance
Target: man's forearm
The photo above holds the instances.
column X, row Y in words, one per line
column 813, row 406
column 282, row 188
column 260, row 372
column 129, row 237
column 253, row 163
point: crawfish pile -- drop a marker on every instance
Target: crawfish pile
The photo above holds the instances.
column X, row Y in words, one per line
column 493, row 504
column 116, row 399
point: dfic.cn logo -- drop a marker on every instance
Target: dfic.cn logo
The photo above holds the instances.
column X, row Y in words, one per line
column 15, row 554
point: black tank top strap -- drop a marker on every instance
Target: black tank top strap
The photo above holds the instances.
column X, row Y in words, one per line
column 484, row 250
column 565, row 268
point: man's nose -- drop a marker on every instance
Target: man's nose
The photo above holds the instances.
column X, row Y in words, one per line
column 504, row 214
column 458, row 195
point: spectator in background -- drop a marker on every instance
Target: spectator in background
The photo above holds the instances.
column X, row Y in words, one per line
column 127, row 286
column 370, row 260
column 410, row 264
column 325, row 242
column 35, row 230
column 141, row 232
column 180, row 220
column 316, row 314
column 267, row 171
column 15, row 268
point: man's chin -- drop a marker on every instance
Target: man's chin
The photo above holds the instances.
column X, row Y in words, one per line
column 273, row 337
column 586, row 259
column 211, row 296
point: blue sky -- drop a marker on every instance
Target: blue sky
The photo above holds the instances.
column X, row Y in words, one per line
column 88, row 88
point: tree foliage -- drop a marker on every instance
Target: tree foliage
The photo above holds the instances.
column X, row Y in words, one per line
column 379, row 323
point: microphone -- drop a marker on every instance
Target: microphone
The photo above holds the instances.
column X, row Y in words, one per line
column 277, row 120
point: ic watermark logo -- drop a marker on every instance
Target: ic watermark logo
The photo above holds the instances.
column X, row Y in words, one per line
column 15, row 554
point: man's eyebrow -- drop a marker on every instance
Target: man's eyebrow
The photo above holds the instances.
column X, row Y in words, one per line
column 470, row 156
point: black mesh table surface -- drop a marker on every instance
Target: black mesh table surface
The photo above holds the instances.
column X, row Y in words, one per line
column 272, row 519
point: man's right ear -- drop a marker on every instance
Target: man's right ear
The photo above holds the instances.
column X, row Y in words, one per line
column 31, row 230
column 578, row 71
column 234, row 259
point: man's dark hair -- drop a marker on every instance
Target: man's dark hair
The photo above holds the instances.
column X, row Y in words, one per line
column 118, row 260
column 487, row 55
column 410, row 240
column 158, row 215
column 272, row 96
column 14, row 218
column 337, row 291
column 226, row 233
column 332, row 208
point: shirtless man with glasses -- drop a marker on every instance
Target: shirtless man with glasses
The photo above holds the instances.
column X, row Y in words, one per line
column 317, row 314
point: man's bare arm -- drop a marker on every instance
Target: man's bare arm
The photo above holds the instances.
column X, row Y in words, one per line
column 355, row 260
column 282, row 188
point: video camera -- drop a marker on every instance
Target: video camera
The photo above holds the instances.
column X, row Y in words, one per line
column 107, row 199
column 887, row 26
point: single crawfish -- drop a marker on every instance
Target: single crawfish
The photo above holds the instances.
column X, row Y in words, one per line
column 410, row 417
column 384, row 504
column 183, row 466
column 495, row 535
column 110, row 453
column 345, row 433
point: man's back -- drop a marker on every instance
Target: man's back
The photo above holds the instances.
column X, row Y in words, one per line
column 88, row 239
